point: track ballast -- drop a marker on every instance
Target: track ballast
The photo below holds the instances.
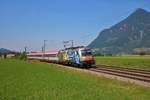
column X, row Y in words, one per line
column 136, row 74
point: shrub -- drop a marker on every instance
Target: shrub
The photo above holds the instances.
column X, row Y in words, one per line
column 21, row 55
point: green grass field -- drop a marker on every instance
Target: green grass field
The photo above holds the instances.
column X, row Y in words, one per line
column 141, row 62
column 31, row 80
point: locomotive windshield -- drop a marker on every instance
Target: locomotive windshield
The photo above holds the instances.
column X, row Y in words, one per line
column 86, row 52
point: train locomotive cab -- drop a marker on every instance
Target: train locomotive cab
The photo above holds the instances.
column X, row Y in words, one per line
column 86, row 57
column 77, row 56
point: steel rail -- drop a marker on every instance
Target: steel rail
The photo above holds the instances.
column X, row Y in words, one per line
column 124, row 73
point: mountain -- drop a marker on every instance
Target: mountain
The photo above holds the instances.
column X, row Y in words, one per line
column 132, row 32
column 3, row 51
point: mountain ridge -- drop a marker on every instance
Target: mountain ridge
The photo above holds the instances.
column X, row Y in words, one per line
column 4, row 51
column 130, row 33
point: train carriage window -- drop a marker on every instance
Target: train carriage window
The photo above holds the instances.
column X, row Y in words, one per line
column 50, row 55
column 35, row 55
column 39, row 55
column 86, row 52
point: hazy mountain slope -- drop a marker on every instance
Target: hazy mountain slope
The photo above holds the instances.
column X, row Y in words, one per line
column 3, row 50
column 132, row 32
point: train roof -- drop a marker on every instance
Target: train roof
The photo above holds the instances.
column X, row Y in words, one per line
column 73, row 48
column 46, row 52
column 78, row 47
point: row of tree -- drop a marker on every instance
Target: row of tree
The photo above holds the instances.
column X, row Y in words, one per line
column 142, row 51
column 17, row 55
column 136, row 51
column 21, row 55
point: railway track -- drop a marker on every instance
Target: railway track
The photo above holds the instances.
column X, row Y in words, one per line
column 136, row 74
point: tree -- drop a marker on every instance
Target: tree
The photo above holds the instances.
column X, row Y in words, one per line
column 5, row 55
column 21, row 55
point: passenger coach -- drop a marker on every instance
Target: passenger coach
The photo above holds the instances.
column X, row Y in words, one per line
column 74, row 56
column 49, row 56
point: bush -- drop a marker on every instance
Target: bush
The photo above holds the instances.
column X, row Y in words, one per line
column 21, row 56
column 142, row 51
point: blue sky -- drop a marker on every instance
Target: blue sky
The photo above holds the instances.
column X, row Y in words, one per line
column 29, row 22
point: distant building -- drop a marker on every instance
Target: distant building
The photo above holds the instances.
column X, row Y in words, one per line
column 10, row 55
column 7, row 55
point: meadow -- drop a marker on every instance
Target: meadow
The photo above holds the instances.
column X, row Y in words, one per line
column 139, row 62
column 33, row 80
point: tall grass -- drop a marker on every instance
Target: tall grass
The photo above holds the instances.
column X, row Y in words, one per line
column 141, row 62
column 26, row 80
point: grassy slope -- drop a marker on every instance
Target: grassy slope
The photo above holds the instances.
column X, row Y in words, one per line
column 142, row 62
column 25, row 80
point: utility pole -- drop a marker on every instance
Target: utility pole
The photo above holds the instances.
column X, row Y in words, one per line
column 66, row 43
column 42, row 49
column 44, row 45
column 25, row 49
column 25, row 53
column 72, row 43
